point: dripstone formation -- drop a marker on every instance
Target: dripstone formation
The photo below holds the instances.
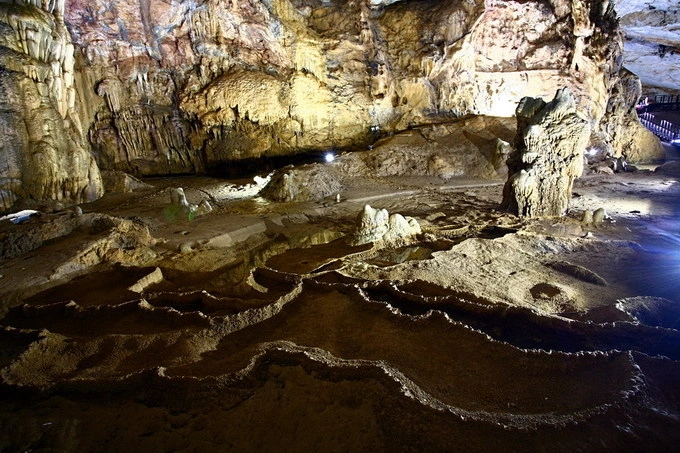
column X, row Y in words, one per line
column 44, row 150
column 551, row 139
column 186, row 87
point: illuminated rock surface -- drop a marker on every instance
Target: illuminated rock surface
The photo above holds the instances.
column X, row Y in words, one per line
column 257, row 326
column 185, row 87
column 44, row 149
column 549, row 155
column 652, row 45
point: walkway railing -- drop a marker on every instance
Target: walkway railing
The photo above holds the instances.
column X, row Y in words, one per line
column 661, row 102
column 665, row 130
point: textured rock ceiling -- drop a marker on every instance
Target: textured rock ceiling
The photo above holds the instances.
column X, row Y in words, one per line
column 158, row 87
column 652, row 45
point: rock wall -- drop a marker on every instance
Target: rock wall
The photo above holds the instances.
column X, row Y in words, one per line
column 43, row 148
column 622, row 134
column 156, row 87
column 189, row 86
column 652, row 44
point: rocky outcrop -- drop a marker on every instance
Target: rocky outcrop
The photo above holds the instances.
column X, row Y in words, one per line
column 108, row 237
column 117, row 181
column 43, row 147
column 374, row 225
column 306, row 183
column 622, row 134
column 475, row 147
column 549, row 154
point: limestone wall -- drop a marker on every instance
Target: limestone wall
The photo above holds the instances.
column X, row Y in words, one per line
column 188, row 86
column 229, row 80
column 44, row 152
column 652, row 44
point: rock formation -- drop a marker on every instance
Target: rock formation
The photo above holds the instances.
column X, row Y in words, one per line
column 652, row 45
column 158, row 88
column 117, row 181
column 623, row 134
column 473, row 147
column 551, row 139
column 186, row 88
column 374, row 225
column 181, row 209
column 306, row 183
column 43, row 147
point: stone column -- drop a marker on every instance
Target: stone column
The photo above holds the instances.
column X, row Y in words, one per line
column 548, row 156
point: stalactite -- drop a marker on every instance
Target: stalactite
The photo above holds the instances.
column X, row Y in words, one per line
column 54, row 162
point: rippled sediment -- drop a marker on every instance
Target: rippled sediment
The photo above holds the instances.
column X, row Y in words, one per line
column 337, row 348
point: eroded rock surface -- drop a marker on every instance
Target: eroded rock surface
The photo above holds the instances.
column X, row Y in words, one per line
column 652, row 45
column 549, row 155
column 485, row 329
column 234, row 81
column 378, row 225
column 158, row 88
column 44, row 148
column 475, row 147
column 307, row 183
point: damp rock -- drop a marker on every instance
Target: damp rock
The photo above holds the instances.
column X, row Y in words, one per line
column 181, row 209
column 652, row 311
column 548, row 156
column 400, row 227
column 372, row 225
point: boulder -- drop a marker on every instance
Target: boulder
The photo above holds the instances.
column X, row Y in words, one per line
column 312, row 182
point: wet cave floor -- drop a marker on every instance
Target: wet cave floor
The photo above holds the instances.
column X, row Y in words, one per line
column 258, row 328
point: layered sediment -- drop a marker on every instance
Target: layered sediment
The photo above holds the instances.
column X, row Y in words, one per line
column 258, row 326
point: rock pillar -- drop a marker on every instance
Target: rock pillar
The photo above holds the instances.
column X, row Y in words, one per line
column 548, row 156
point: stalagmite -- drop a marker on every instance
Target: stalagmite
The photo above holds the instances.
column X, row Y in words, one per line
column 551, row 139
